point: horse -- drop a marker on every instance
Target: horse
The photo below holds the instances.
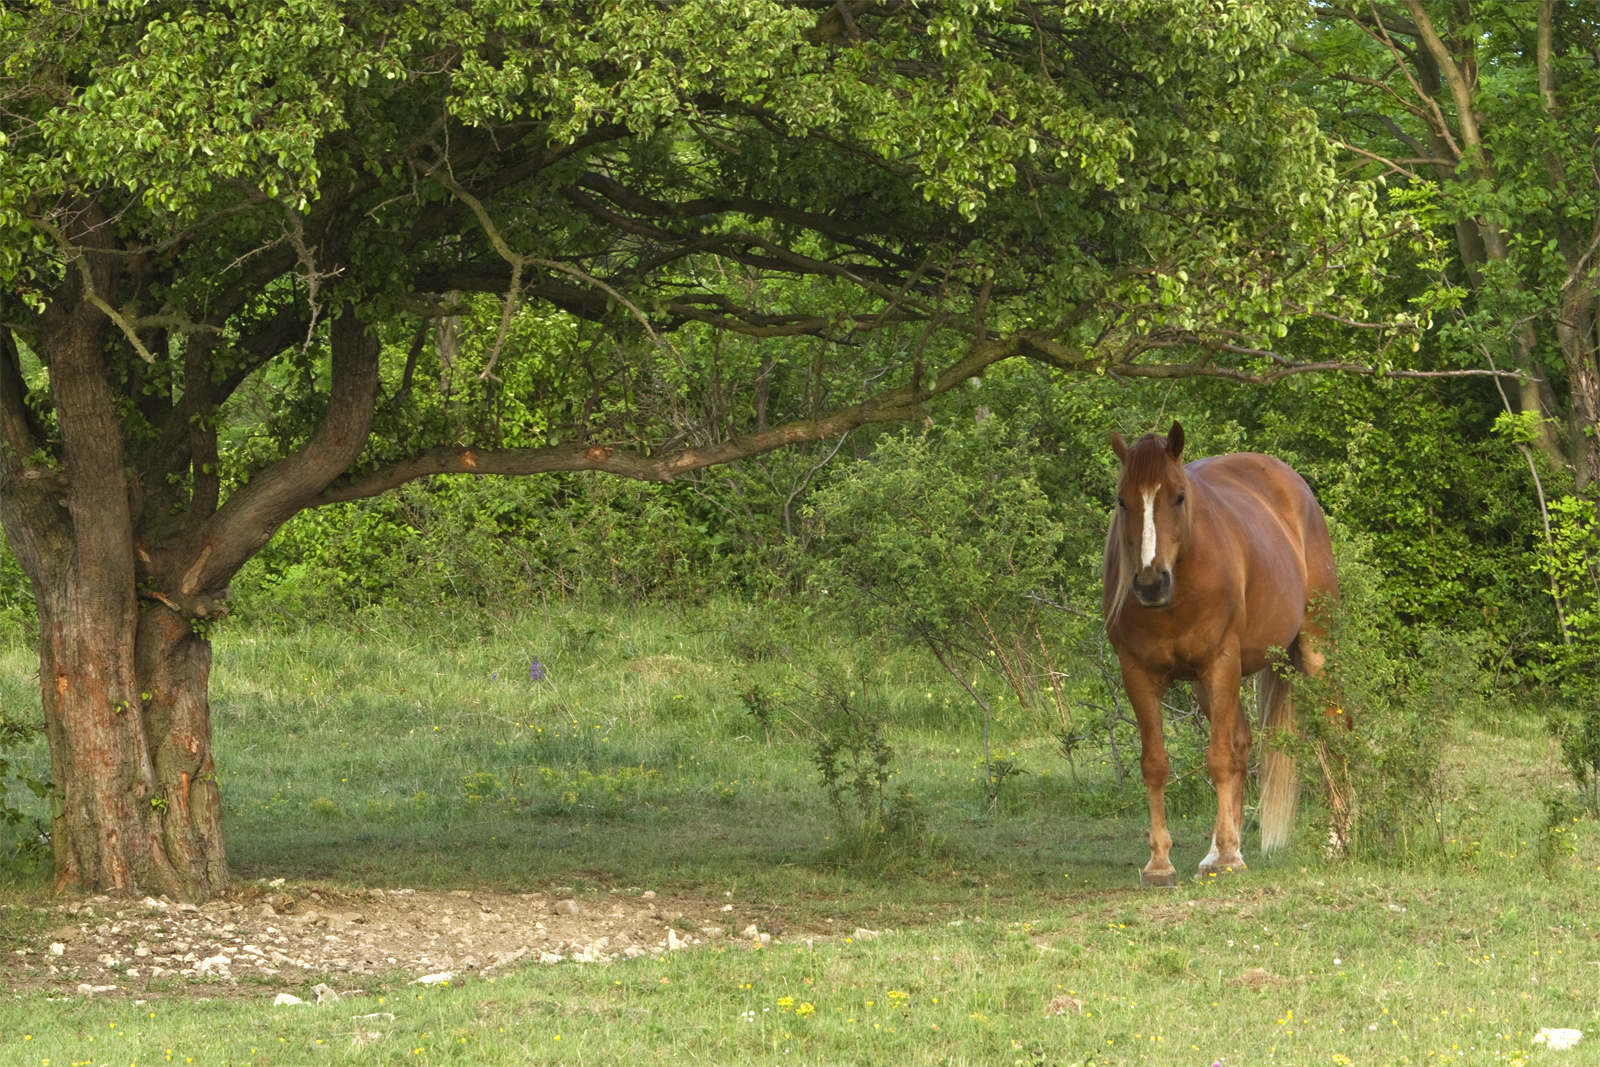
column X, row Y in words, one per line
column 1210, row 569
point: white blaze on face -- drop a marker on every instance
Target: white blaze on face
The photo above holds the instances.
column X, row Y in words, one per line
column 1147, row 549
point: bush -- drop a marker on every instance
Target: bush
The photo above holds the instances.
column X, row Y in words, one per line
column 1375, row 724
column 855, row 764
column 948, row 544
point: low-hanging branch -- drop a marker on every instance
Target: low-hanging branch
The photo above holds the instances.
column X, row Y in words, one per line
column 900, row 404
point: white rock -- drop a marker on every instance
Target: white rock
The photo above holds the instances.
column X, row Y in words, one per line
column 550, row 957
column 863, row 934
column 726, row 907
column 750, row 931
column 673, row 944
column 283, row 1000
column 435, row 979
column 633, row 952
column 220, row 963
column 57, row 948
column 324, row 993
column 648, row 894
column 1558, row 1038
column 566, row 907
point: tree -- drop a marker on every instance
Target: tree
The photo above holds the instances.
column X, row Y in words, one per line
column 1482, row 115
column 244, row 244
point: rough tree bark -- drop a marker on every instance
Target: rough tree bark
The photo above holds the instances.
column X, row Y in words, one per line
column 124, row 603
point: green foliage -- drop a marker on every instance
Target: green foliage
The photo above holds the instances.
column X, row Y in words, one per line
column 854, row 762
column 944, row 542
column 1376, row 724
column 762, row 707
column 14, row 734
column 1559, row 837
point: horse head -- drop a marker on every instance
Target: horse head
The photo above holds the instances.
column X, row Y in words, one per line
column 1152, row 517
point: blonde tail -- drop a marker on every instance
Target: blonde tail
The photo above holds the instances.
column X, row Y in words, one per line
column 1280, row 783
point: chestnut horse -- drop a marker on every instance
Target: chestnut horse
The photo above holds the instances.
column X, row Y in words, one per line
column 1209, row 567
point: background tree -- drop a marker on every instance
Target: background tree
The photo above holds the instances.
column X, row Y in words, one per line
column 239, row 241
column 1481, row 117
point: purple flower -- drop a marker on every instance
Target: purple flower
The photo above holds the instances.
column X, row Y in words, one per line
column 536, row 671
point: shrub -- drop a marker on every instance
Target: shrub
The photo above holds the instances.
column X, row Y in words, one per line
column 855, row 764
column 1375, row 723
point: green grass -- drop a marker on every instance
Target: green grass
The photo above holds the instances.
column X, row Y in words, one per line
column 393, row 756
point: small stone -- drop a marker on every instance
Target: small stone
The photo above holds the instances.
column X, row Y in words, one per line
column 726, row 907
column 57, row 948
column 633, row 952
column 267, row 911
column 673, row 944
column 712, row 931
column 435, row 979
column 324, row 993
column 749, row 931
column 1558, row 1037
column 566, row 907
column 284, row 1000
column 863, row 934
column 648, row 894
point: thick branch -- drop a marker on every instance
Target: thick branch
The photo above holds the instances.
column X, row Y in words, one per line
column 254, row 512
column 894, row 405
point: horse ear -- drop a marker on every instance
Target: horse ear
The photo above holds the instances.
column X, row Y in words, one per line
column 1175, row 441
column 1120, row 447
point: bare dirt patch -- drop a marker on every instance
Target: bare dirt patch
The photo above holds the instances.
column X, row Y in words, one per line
column 270, row 937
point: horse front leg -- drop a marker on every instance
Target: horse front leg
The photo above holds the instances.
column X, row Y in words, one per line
column 1144, row 693
column 1228, row 761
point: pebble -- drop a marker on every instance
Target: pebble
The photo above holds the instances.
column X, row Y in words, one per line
column 566, row 907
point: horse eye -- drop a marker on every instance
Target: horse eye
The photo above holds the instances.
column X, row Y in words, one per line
column 1123, row 504
column 1179, row 500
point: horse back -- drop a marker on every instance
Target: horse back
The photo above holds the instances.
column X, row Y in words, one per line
column 1264, row 518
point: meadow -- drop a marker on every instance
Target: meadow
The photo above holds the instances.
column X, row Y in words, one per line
column 392, row 755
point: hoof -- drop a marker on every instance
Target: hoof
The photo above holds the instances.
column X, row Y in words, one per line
column 1167, row 879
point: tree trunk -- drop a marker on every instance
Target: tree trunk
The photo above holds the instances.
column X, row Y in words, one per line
column 135, row 805
column 127, row 576
column 134, row 802
column 1575, row 330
